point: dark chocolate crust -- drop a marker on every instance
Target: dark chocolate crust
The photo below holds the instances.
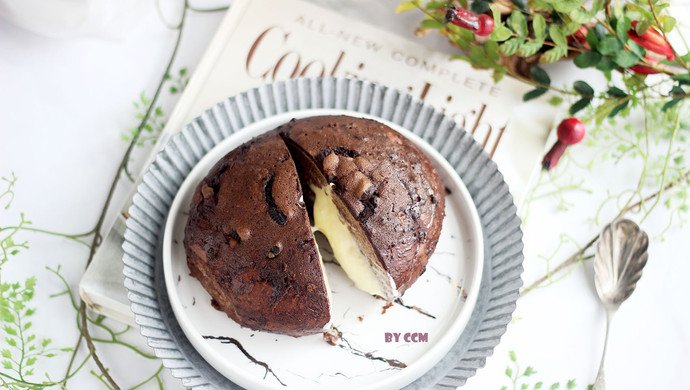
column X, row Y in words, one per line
column 388, row 185
column 249, row 242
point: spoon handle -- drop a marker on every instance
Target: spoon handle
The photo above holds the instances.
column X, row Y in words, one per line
column 600, row 382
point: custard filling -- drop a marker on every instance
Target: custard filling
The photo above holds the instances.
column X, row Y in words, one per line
column 358, row 268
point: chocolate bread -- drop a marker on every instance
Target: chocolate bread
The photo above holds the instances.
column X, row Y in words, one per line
column 248, row 238
column 249, row 243
column 387, row 190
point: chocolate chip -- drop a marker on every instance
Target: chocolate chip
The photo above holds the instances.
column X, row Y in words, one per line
column 275, row 250
column 330, row 163
column 273, row 211
column 363, row 163
column 207, row 191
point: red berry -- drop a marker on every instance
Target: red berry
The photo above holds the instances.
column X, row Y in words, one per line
column 579, row 37
column 571, row 131
column 479, row 24
column 486, row 25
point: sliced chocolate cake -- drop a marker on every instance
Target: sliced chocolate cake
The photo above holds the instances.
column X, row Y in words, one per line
column 249, row 242
column 375, row 184
column 373, row 194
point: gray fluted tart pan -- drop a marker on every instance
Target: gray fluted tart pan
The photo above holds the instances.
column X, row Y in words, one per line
column 498, row 289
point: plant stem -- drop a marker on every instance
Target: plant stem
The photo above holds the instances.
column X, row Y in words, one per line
column 665, row 168
column 99, row 224
column 74, row 237
column 577, row 255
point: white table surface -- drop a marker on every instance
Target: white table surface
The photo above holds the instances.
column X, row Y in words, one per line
column 64, row 102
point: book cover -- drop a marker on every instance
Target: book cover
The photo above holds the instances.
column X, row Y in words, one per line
column 300, row 39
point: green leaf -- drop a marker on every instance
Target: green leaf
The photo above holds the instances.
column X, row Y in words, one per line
column 479, row 7
column 529, row 371
column 496, row 12
column 30, row 361
column 571, row 384
column 539, row 75
column 668, row 22
column 643, row 25
column 524, row 386
column 498, row 74
column 606, row 64
column 555, row 386
column 183, row 71
column 618, row 109
column 492, row 50
column 597, row 5
column 683, row 78
column 478, row 56
column 557, row 36
column 27, row 325
column 434, row 5
column 530, row 48
column 565, row 6
column 644, row 12
column 6, row 353
column 461, row 57
column 158, row 111
column 555, row 101
column 430, row 23
column 518, row 23
column 509, row 372
column 622, row 27
column 533, row 94
column 6, row 316
column 637, row 49
column 616, row 92
column 540, row 5
column 625, row 59
column 30, row 283
column 11, row 342
column 583, row 88
column 7, row 364
column 553, row 55
column 580, row 15
column 538, row 385
column 45, row 342
column 669, row 104
column 512, row 355
column 539, row 27
column 519, row 3
column 501, row 33
column 592, row 38
column 677, row 90
column 587, row 59
column 509, row 47
column 406, row 6
column 571, row 27
column 609, row 45
column 579, row 105
column 173, row 89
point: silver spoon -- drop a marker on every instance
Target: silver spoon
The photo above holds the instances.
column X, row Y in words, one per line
column 620, row 256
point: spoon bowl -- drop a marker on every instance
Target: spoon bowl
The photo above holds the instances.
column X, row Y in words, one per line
column 621, row 254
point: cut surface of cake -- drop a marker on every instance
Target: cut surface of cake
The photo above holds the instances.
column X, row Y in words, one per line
column 373, row 194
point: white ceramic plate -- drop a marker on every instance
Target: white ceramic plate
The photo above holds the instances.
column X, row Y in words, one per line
column 446, row 292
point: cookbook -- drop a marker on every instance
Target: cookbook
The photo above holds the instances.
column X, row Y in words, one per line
column 253, row 47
